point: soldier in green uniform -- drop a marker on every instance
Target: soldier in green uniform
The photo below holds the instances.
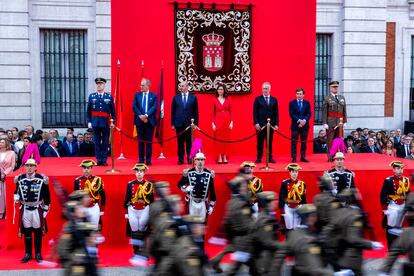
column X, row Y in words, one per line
column 325, row 201
column 302, row 243
column 404, row 244
column 344, row 235
column 334, row 115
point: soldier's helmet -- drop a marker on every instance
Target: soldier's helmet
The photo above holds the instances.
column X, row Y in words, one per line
column 325, row 183
column 264, row 198
column 305, row 210
column 350, row 196
column 235, row 184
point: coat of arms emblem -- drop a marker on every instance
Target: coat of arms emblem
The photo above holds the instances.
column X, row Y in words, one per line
column 213, row 52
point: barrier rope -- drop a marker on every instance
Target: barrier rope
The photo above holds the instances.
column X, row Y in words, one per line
column 297, row 140
column 152, row 142
column 230, row 141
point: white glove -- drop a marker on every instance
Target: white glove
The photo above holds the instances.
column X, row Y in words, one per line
column 45, row 214
column 383, row 274
column 210, row 210
column 344, row 125
column 89, row 125
column 377, row 245
column 240, row 256
column 16, row 198
column 344, row 272
column 126, row 216
column 386, row 212
column 325, row 126
column 189, row 189
column 101, row 214
column 255, row 208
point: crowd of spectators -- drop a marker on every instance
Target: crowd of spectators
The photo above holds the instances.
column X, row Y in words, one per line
column 31, row 143
column 392, row 143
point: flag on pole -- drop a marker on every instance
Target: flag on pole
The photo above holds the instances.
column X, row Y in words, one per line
column 135, row 134
column 159, row 132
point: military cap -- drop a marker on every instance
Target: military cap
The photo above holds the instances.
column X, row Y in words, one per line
column 30, row 162
column 339, row 155
column 306, row 209
column 193, row 219
column 77, row 195
column 86, row 227
column 293, row 166
column 162, row 184
column 200, row 155
column 98, row 80
column 325, row 182
column 173, row 198
column 140, row 167
column 70, row 208
column 248, row 164
column 398, row 164
column 266, row 196
column 236, row 181
column 87, row 163
column 334, row 83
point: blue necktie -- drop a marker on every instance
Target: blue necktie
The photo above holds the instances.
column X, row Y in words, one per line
column 300, row 106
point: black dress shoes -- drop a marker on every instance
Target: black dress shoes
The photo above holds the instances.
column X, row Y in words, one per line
column 104, row 164
column 148, row 163
column 271, row 160
column 293, row 160
column 303, row 159
column 26, row 258
column 180, row 162
column 189, row 161
column 39, row 258
column 258, row 161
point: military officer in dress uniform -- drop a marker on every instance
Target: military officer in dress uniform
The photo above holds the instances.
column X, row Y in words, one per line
column 198, row 184
column 302, row 243
column 139, row 196
column 32, row 193
column 334, row 115
column 342, row 177
column 292, row 196
column 101, row 116
column 95, row 187
column 393, row 195
column 404, row 244
column 255, row 183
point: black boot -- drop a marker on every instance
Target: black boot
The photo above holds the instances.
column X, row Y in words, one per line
column 27, row 245
column 38, row 244
column 135, row 240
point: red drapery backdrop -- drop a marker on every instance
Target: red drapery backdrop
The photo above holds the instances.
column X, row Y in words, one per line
column 283, row 52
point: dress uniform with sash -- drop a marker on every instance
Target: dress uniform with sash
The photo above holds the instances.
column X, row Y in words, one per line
column 255, row 184
column 100, row 111
column 393, row 195
column 292, row 196
column 32, row 192
column 342, row 177
column 139, row 196
column 198, row 184
column 334, row 114
column 95, row 187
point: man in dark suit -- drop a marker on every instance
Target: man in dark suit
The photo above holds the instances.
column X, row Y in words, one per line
column 404, row 149
column 397, row 138
column 145, row 107
column 87, row 148
column 51, row 150
column 300, row 113
column 70, row 147
column 184, row 108
column 264, row 107
column 371, row 148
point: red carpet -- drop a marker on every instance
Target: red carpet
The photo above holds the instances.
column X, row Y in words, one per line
column 370, row 171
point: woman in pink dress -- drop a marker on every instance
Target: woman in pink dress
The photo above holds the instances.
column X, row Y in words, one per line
column 222, row 122
column 32, row 150
column 389, row 149
column 7, row 164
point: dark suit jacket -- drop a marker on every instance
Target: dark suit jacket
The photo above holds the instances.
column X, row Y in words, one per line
column 262, row 111
column 367, row 149
column 87, row 149
column 397, row 142
column 43, row 148
column 181, row 116
column 139, row 108
column 66, row 151
column 50, row 152
column 296, row 114
column 401, row 151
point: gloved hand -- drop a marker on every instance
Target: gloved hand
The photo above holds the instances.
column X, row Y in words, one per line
column 101, row 214
column 189, row 189
column 325, row 126
column 255, row 208
column 89, row 125
column 45, row 214
column 16, row 198
column 126, row 216
column 344, row 125
column 386, row 212
column 377, row 245
column 210, row 210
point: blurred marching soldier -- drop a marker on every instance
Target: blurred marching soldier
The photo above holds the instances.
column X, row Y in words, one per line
column 302, row 243
column 342, row 177
column 95, row 187
column 266, row 231
column 198, row 184
column 325, row 201
column 255, row 184
column 139, row 196
column 393, row 194
column 344, row 235
column 32, row 192
column 99, row 113
column 334, row 115
column 404, row 244
column 77, row 244
column 292, row 196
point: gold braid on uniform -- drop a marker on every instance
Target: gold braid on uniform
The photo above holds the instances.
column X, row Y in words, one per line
column 403, row 188
column 142, row 194
column 91, row 188
column 252, row 185
column 295, row 191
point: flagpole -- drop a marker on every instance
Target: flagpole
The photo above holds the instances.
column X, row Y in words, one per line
column 119, row 98
column 161, row 118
